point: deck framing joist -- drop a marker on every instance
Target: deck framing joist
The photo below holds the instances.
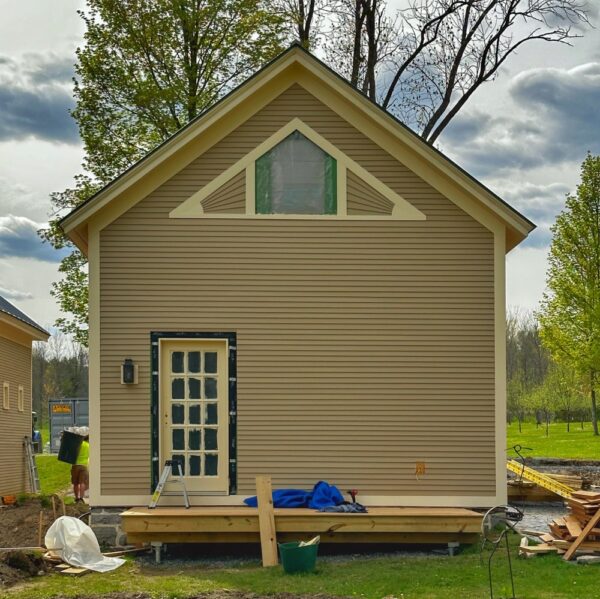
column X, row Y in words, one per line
column 241, row 525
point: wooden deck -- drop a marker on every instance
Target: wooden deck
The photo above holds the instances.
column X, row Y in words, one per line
column 409, row 525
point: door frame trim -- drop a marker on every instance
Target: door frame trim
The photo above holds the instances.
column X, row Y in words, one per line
column 155, row 338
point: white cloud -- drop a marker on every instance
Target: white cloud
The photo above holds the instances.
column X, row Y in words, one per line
column 551, row 117
column 526, row 276
column 15, row 294
column 36, row 26
column 19, row 238
column 36, row 97
column 33, row 279
column 29, row 171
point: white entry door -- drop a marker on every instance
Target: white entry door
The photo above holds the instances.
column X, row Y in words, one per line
column 194, row 406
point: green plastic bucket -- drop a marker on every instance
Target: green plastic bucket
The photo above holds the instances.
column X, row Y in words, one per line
column 298, row 559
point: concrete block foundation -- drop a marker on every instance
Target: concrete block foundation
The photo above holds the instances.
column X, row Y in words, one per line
column 106, row 524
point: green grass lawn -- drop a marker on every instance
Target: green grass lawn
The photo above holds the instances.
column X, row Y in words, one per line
column 558, row 444
column 431, row 577
column 45, row 431
column 55, row 476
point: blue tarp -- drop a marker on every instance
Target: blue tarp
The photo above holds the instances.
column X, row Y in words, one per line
column 322, row 495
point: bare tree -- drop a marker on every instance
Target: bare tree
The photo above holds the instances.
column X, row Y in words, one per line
column 304, row 16
column 425, row 62
column 362, row 38
column 59, row 369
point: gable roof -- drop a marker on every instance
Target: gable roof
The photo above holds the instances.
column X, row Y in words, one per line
column 6, row 308
column 292, row 60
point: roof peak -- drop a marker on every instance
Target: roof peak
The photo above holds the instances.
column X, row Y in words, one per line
column 7, row 308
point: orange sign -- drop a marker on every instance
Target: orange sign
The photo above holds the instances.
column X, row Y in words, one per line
column 61, row 408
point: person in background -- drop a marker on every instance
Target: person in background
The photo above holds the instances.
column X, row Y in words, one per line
column 79, row 471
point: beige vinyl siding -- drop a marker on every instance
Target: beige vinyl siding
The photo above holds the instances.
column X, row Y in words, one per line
column 15, row 369
column 362, row 346
column 229, row 198
column 363, row 199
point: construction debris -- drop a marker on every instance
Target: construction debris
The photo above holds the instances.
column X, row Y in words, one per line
column 576, row 533
column 588, row 559
column 540, row 479
column 526, row 550
column 76, row 544
column 525, row 490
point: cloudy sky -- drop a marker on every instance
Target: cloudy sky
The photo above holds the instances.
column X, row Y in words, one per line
column 525, row 136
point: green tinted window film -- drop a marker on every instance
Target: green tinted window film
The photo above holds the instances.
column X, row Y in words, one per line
column 296, row 177
column 263, row 184
column 330, row 185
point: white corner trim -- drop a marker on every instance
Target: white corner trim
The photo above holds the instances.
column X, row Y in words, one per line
column 192, row 207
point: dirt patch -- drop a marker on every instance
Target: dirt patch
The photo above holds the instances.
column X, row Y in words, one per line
column 20, row 523
column 20, row 528
column 213, row 595
column 17, row 565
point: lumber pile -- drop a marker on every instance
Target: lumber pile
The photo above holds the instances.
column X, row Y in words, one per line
column 523, row 490
column 579, row 531
column 571, row 480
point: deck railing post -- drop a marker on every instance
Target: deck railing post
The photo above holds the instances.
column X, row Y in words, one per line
column 266, row 521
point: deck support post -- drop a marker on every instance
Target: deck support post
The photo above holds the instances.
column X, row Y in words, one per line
column 157, row 546
column 453, row 547
column 266, row 521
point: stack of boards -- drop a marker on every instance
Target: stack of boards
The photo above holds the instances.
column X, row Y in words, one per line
column 523, row 490
column 579, row 532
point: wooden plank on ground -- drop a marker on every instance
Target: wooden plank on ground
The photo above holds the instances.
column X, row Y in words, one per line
column 542, row 548
column 573, row 526
column 588, row 545
column 586, row 495
column 266, row 521
column 74, row 571
column 581, row 538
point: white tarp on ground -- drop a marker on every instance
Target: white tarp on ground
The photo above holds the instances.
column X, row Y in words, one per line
column 76, row 544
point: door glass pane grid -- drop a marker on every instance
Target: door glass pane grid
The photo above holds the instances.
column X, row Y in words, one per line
column 193, row 438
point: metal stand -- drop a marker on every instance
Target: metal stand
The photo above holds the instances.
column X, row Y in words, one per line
column 507, row 517
column 164, row 477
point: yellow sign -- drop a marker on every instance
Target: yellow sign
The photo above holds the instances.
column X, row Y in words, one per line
column 61, row 408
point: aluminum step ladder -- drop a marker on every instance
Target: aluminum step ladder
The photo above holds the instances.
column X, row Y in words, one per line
column 164, row 478
column 34, row 477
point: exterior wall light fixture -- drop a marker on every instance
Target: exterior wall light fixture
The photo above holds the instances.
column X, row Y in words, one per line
column 129, row 372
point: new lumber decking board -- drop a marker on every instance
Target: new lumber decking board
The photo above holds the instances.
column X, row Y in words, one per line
column 589, row 495
column 396, row 538
column 582, row 537
column 213, row 524
column 223, row 524
column 573, row 526
column 195, row 511
column 266, row 521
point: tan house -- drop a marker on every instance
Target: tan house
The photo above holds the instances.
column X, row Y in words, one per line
column 17, row 332
column 297, row 285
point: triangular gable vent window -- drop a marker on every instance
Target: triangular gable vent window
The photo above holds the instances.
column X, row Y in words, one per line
column 296, row 177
